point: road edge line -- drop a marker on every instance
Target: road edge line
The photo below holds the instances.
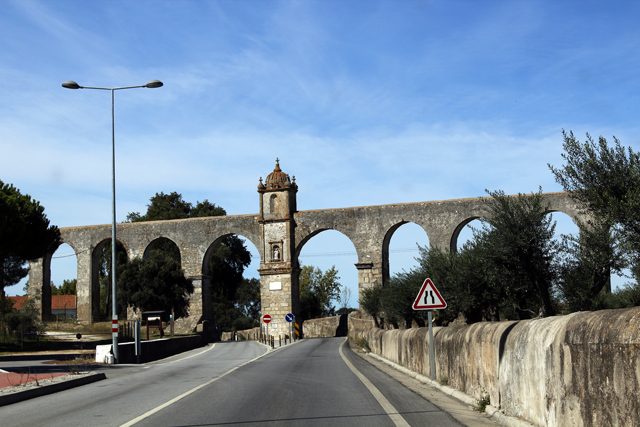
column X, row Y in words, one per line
column 395, row 416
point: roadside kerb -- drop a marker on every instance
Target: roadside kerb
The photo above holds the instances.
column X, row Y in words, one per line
column 44, row 390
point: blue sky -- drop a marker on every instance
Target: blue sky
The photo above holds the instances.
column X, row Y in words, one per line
column 365, row 102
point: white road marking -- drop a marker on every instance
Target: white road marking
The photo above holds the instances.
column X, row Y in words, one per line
column 183, row 395
column 386, row 405
column 185, row 358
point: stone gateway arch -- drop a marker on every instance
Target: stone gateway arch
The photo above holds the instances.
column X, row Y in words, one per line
column 279, row 231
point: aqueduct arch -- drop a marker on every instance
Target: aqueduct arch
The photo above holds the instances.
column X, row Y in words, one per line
column 385, row 247
column 92, row 292
column 155, row 244
column 279, row 231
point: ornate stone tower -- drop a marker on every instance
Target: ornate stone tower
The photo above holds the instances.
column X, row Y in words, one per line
column 278, row 271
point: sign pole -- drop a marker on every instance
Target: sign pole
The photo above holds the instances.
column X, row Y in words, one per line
column 430, row 299
column 432, row 357
column 289, row 317
column 266, row 319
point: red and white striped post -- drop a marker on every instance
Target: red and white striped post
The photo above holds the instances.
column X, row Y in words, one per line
column 114, row 335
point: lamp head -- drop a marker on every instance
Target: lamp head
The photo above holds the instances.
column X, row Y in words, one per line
column 154, row 83
column 70, row 84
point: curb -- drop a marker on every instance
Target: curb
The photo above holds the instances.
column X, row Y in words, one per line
column 49, row 389
column 491, row 411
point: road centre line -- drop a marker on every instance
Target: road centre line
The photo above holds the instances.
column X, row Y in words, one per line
column 185, row 358
column 397, row 419
column 183, row 395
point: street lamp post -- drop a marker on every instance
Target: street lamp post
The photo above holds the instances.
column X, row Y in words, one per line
column 114, row 317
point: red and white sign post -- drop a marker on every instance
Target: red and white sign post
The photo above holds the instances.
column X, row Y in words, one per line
column 266, row 319
column 430, row 299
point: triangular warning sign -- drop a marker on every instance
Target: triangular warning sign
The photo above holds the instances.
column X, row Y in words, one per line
column 429, row 298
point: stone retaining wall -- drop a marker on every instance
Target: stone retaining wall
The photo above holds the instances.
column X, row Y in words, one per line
column 359, row 321
column 247, row 334
column 314, row 328
column 326, row 327
column 582, row 369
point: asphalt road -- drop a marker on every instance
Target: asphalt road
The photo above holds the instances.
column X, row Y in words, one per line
column 315, row 382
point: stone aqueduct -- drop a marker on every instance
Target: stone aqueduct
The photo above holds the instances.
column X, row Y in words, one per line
column 279, row 232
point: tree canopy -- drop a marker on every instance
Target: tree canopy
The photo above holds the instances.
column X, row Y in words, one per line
column 173, row 206
column 520, row 244
column 605, row 181
column 226, row 269
column 25, row 234
column 585, row 265
column 248, row 298
column 318, row 290
column 506, row 270
column 68, row 287
column 156, row 283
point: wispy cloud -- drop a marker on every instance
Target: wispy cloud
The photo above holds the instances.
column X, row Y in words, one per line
column 364, row 102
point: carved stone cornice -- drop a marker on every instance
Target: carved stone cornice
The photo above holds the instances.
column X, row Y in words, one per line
column 275, row 270
column 364, row 265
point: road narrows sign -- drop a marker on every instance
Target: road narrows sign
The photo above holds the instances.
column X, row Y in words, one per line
column 266, row 318
column 429, row 298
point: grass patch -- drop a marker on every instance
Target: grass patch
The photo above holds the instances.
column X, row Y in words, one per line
column 362, row 343
column 90, row 336
column 78, row 365
column 48, row 344
column 82, row 364
column 74, row 327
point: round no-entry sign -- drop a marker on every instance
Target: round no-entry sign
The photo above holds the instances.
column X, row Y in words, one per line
column 266, row 318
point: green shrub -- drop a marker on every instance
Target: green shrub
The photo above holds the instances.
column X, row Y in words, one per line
column 243, row 323
column 483, row 402
column 29, row 316
column 362, row 343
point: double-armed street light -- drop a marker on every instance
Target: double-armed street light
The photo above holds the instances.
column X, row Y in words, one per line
column 73, row 85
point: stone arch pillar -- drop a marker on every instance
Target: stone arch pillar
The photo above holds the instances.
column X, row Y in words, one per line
column 40, row 285
column 366, row 278
column 85, row 300
column 371, row 271
column 198, row 309
column 440, row 240
column 192, row 260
